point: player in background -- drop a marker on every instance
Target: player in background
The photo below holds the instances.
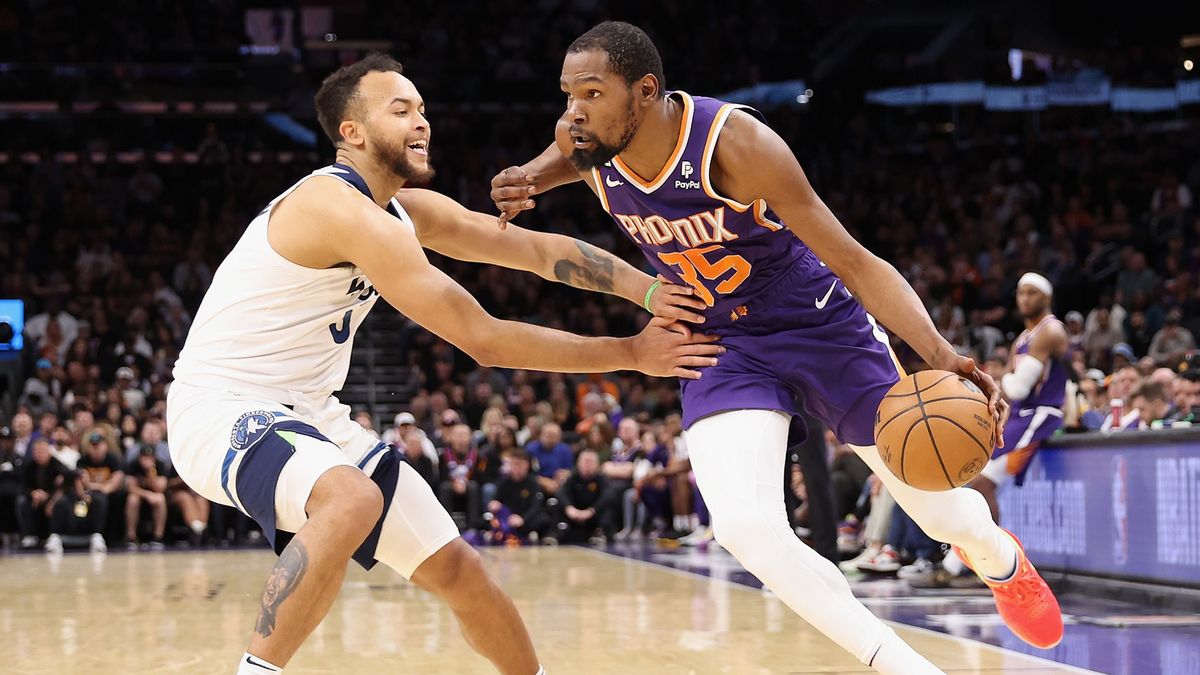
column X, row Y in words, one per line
column 252, row 419
column 716, row 200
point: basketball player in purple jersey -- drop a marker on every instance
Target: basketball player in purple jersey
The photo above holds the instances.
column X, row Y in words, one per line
column 1036, row 383
column 716, row 201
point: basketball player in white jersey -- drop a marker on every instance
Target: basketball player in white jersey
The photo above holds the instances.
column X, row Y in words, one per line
column 252, row 420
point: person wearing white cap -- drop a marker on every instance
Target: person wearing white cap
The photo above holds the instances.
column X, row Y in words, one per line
column 1035, row 382
column 401, row 425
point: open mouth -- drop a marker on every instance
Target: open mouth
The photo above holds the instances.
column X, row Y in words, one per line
column 419, row 147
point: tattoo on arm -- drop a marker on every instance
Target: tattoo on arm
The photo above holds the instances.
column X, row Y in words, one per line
column 286, row 575
column 595, row 273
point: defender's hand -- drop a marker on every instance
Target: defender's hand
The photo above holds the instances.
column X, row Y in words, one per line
column 677, row 303
column 511, row 191
column 667, row 348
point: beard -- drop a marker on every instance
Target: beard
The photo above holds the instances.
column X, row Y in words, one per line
column 396, row 159
column 586, row 160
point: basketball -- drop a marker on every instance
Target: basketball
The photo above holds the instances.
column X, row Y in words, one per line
column 934, row 430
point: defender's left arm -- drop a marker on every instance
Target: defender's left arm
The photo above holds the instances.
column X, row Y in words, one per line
column 753, row 162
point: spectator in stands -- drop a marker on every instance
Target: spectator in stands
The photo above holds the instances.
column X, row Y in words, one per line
column 11, row 488
column 414, row 452
column 146, row 484
column 397, row 435
column 1075, row 335
column 194, row 509
column 132, row 398
column 43, row 391
column 1095, row 400
column 1150, row 401
column 585, row 507
column 618, row 473
column 518, row 511
column 458, row 489
column 1122, row 356
column 101, row 476
column 1136, row 279
column 40, row 476
column 1103, row 331
column 1187, row 397
column 1170, row 343
column 152, row 437
column 552, row 457
column 22, row 429
column 363, row 418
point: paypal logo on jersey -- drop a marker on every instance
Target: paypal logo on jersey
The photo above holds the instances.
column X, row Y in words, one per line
column 249, row 428
column 686, row 170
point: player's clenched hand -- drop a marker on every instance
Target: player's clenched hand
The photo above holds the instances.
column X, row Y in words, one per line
column 665, row 348
column 511, row 191
column 965, row 366
column 678, row 303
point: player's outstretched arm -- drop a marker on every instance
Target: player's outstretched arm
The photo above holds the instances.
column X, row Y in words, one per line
column 451, row 229
column 354, row 229
column 513, row 188
column 753, row 162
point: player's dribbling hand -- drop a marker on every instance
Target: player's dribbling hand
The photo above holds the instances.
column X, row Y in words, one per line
column 667, row 348
column 511, row 191
column 965, row 366
column 677, row 303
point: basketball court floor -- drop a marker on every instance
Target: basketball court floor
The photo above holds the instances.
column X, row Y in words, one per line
column 634, row 609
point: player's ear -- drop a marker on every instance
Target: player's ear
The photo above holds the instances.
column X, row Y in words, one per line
column 351, row 132
column 648, row 88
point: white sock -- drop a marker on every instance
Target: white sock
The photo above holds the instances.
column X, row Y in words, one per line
column 894, row 656
column 197, row 526
column 693, row 522
column 253, row 665
column 1011, row 570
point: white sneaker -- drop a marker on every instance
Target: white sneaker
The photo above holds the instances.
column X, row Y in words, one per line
column 887, row 560
column 851, row 565
column 919, row 568
column 29, row 542
column 54, row 544
column 698, row 537
column 97, row 544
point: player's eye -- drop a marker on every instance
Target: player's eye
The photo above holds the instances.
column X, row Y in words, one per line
column 593, row 94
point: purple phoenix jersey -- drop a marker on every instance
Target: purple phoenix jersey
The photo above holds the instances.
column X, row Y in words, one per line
column 789, row 326
column 1036, row 417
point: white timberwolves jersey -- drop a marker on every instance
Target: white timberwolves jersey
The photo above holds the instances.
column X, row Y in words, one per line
column 269, row 327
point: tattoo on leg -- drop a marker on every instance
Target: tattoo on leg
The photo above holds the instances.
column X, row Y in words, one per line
column 596, row 272
column 285, row 576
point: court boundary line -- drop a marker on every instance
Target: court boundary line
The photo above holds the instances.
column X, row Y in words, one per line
column 1068, row 667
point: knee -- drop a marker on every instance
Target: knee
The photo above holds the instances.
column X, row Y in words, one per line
column 348, row 496
column 454, row 571
column 748, row 533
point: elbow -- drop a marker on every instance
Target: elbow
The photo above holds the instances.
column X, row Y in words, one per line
column 484, row 353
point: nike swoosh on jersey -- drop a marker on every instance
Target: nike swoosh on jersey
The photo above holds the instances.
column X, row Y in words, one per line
column 821, row 302
column 611, row 182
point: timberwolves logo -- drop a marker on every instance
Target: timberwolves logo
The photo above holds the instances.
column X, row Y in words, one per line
column 249, row 428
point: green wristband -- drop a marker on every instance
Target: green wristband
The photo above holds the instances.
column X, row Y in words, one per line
column 653, row 287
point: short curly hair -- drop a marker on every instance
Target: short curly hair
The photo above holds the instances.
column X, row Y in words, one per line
column 630, row 52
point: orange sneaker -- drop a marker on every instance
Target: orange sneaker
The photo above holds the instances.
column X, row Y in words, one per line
column 1025, row 602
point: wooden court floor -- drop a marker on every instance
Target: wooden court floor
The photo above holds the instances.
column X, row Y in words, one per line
column 588, row 612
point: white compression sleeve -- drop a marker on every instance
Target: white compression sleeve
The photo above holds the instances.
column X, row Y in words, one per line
column 1023, row 379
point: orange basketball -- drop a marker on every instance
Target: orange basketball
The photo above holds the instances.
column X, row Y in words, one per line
column 934, row 431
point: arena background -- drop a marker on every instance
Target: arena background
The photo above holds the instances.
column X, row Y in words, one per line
column 966, row 145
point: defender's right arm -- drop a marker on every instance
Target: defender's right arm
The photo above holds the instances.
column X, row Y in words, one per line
column 354, row 229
